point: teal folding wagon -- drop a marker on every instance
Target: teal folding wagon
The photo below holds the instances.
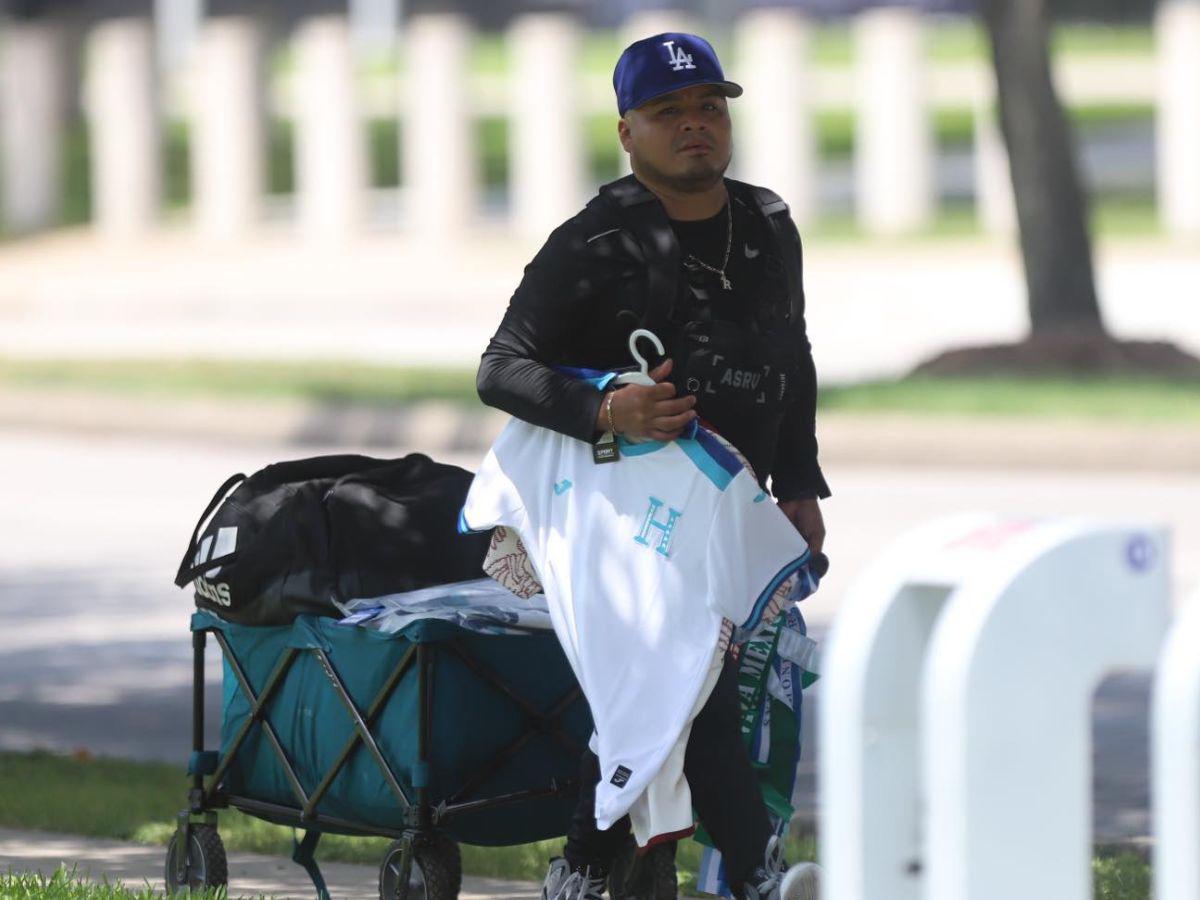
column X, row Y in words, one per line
column 432, row 736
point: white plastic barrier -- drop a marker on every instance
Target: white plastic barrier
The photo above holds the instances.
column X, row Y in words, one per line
column 956, row 698
column 1175, row 752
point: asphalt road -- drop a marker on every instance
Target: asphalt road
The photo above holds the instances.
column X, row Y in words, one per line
column 95, row 651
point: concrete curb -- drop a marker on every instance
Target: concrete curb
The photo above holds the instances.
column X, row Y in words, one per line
column 442, row 428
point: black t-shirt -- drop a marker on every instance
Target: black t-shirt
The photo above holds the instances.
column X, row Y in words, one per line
column 706, row 240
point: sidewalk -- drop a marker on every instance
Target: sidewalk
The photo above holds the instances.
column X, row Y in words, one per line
column 249, row 874
column 442, row 428
column 874, row 309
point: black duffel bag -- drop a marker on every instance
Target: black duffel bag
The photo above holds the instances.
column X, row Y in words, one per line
column 297, row 535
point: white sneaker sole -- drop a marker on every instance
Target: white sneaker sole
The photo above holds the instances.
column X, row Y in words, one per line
column 801, row 882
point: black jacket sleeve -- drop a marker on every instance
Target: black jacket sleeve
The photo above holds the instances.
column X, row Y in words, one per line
column 796, row 473
column 543, row 318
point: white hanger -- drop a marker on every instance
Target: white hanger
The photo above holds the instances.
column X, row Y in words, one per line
column 642, row 377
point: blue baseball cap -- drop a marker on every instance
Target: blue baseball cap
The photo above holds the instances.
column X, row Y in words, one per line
column 665, row 63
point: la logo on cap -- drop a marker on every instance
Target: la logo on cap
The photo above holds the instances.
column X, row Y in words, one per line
column 677, row 57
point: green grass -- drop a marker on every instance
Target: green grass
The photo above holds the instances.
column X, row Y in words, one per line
column 1129, row 400
column 962, row 40
column 384, row 144
column 948, row 40
column 1112, row 216
column 955, row 126
column 1103, row 40
column 316, row 381
column 1123, row 215
column 491, row 142
column 1125, row 876
column 76, row 176
column 281, row 157
column 65, row 885
column 176, row 165
column 1120, row 878
column 97, row 797
column 137, row 802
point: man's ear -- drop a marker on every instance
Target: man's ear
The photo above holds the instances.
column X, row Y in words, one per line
column 623, row 133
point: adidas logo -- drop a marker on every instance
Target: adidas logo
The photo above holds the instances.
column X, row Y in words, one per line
column 217, row 593
column 224, row 543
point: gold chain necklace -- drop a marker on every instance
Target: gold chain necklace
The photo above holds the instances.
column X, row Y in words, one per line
column 725, row 282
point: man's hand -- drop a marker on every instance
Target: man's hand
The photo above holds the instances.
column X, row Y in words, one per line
column 649, row 411
column 806, row 516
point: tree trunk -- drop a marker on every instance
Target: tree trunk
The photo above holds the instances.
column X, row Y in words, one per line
column 1051, row 206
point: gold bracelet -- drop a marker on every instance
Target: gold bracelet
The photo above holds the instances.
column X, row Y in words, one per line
column 612, row 426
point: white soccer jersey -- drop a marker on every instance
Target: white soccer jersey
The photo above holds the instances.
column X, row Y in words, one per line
column 640, row 559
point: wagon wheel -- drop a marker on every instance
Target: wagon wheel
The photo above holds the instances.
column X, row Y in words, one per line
column 204, row 866
column 435, row 872
column 650, row 876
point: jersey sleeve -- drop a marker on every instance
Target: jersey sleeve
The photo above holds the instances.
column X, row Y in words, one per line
column 752, row 550
column 516, row 373
column 493, row 499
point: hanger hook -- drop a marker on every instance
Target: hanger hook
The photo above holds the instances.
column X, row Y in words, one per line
column 650, row 336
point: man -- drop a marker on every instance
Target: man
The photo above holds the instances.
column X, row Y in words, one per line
column 713, row 267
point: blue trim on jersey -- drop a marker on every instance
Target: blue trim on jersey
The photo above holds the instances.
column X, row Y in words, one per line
column 720, row 454
column 640, row 448
column 715, row 473
column 760, row 605
column 712, row 458
column 708, row 454
column 463, row 527
column 597, row 378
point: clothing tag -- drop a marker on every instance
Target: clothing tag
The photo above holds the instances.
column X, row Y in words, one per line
column 606, row 450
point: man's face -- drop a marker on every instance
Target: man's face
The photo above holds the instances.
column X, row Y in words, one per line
column 682, row 140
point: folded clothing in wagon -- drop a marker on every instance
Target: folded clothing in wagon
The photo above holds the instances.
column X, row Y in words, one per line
column 481, row 605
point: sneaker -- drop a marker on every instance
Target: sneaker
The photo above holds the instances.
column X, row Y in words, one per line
column 561, row 883
column 764, row 882
column 774, row 880
column 801, row 882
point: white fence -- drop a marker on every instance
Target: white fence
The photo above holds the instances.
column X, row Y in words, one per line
column 956, row 702
column 891, row 87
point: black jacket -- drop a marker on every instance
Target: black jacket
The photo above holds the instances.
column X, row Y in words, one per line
column 591, row 284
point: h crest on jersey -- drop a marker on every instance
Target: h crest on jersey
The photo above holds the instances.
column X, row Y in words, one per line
column 666, row 528
column 678, row 58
